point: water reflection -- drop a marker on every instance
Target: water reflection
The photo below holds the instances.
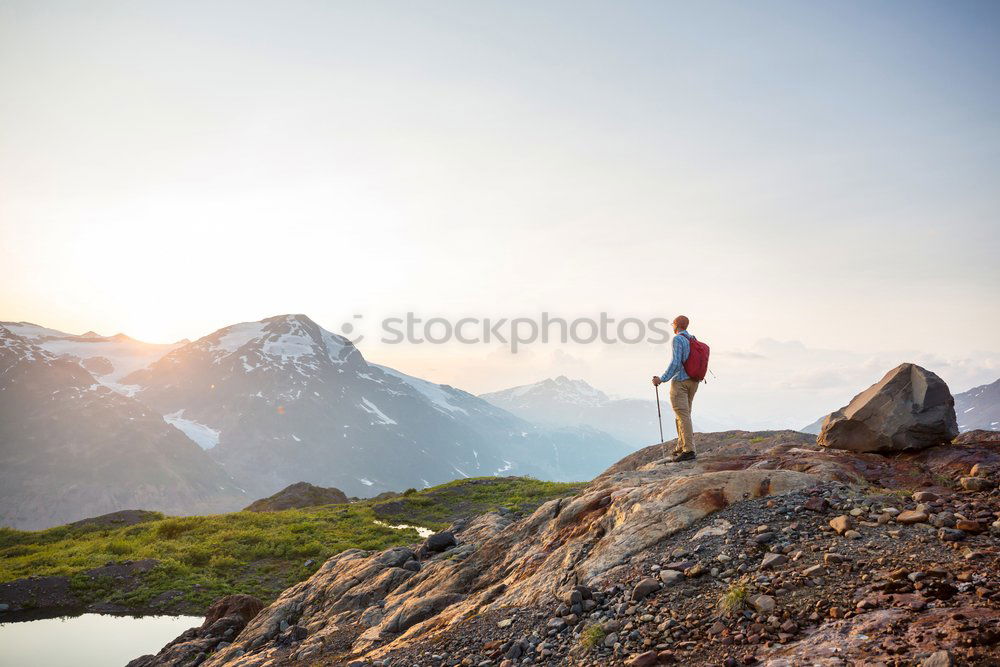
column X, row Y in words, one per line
column 422, row 532
column 88, row 640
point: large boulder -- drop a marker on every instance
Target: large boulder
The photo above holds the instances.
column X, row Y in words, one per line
column 910, row 408
column 244, row 607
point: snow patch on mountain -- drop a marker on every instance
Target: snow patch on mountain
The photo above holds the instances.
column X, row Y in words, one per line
column 437, row 394
column 108, row 359
column 234, row 337
column 979, row 407
column 33, row 332
column 204, row 436
column 338, row 348
column 371, row 408
column 289, row 346
column 22, row 349
column 277, row 342
column 561, row 389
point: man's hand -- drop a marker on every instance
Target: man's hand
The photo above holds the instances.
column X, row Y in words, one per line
column 656, row 381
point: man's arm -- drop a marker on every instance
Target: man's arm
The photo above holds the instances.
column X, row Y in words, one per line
column 675, row 361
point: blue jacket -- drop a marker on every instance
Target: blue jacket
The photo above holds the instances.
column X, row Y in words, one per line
column 681, row 347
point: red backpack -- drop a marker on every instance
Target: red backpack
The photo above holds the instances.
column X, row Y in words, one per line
column 696, row 365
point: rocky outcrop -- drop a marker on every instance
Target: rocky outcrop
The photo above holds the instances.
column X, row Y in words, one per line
column 224, row 620
column 300, row 494
column 910, row 408
column 243, row 607
column 117, row 519
column 363, row 604
column 367, row 604
column 644, row 554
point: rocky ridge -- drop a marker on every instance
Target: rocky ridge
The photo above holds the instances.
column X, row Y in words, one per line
column 765, row 549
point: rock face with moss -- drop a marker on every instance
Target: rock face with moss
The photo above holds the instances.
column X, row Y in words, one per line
column 300, row 494
column 909, row 408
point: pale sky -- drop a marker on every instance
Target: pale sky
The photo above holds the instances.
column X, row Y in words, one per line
column 818, row 172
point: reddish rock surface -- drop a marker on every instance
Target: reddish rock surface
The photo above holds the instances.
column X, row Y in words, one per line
column 533, row 588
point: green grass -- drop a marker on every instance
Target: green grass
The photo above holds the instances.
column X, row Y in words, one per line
column 258, row 553
column 438, row 506
column 901, row 494
column 735, row 598
column 943, row 480
column 593, row 636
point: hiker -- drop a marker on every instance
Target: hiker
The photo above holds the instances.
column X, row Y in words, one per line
column 684, row 373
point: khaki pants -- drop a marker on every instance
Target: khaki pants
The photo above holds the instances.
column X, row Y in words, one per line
column 681, row 397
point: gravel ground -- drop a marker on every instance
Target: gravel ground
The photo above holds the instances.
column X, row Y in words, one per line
column 745, row 584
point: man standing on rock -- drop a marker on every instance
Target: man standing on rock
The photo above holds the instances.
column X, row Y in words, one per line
column 682, row 389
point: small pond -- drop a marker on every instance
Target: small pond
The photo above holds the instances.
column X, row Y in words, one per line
column 422, row 532
column 87, row 640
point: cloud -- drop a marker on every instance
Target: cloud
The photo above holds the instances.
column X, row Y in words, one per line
column 564, row 363
column 741, row 354
column 772, row 346
column 503, row 352
column 817, row 379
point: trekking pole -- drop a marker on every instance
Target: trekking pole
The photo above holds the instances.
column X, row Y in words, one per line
column 659, row 418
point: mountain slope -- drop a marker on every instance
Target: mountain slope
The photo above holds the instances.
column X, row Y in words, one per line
column 282, row 400
column 71, row 447
column 815, row 427
column 564, row 402
column 108, row 358
column 979, row 408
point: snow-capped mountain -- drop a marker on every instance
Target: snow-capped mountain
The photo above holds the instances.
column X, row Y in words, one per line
column 979, row 408
column 283, row 400
column 107, row 358
column 560, row 390
column 561, row 402
column 71, row 447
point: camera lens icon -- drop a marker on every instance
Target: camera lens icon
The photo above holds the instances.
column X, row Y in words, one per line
column 348, row 328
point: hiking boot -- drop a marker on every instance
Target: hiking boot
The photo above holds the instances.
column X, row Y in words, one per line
column 682, row 456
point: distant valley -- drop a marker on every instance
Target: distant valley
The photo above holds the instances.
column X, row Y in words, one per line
column 562, row 401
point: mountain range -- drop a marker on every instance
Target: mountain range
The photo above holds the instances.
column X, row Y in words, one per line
column 565, row 402
column 979, row 408
column 72, row 447
column 94, row 424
